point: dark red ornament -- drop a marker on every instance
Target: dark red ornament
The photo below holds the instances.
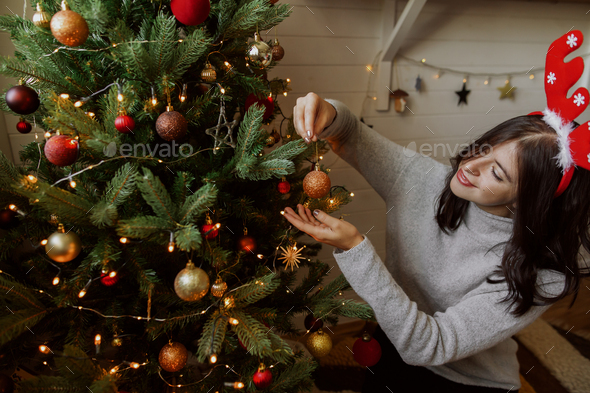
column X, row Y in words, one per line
column 246, row 243
column 61, row 150
column 23, row 126
column 124, row 124
column 6, row 384
column 190, row 12
column 273, row 1
column 312, row 323
column 8, row 219
column 209, row 225
column 107, row 280
column 262, row 378
column 284, row 186
column 366, row 350
column 22, row 100
column 267, row 102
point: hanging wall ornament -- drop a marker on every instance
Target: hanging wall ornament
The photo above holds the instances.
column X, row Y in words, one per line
column 262, row 378
column 366, row 350
column 399, row 97
column 22, row 100
column 63, row 246
column 507, row 91
column 173, row 356
column 277, row 51
column 108, row 278
column 191, row 283
column 259, row 53
column 219, row 287
column 23, row 126
column 41, row 17
column 190, row 12
column 418, row 83
column 267, row 102
column 463, row 94
column 208, row 226
column 246, row 242
column 316, row 183
column 319, row 343
column 208, row 74
column 124, row 123
column 171, row 125
column 69, row 27
column 61, row 150
column 227, row 139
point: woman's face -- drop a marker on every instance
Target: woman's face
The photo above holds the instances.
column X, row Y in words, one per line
column 493, row 177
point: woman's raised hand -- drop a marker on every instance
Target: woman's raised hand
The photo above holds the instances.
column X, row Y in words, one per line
column 324, row 228
column 311, row 115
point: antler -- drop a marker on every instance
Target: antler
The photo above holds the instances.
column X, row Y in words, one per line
column 561, row 76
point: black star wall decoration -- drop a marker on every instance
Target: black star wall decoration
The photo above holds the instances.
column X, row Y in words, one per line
column 463, row 94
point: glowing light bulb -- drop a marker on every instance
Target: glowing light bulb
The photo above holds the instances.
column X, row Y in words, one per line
column 32, row 178
column 78, row 104
column 134, row 365
column 120, row 97
column 222, row 90
column 97, row 339
column 234, row 321
column 91, row 114
column 65, row 96
column 55, row 280
column 123, row 240
column 44, row 349
column 238, row 385
column 288, row 80
column 12, row 207
column 213, row 358
column 73, row 184
column 112, row 274
column 260, row 256
column 352, row 194
column 82, row 293
column 170, row 246
column 532, row 76
column 47, row 134
column 331, row 201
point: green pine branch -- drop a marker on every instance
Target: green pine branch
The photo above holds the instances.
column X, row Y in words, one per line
column 215, row 328
column 256, row 289
column 156, row 195
column 196, row 204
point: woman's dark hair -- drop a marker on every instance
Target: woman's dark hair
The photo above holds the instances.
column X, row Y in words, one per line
column 547, row 232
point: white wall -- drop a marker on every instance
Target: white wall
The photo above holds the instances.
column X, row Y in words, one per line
column 472, row 36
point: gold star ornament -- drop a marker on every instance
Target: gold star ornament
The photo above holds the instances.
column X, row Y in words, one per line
column 291, row 256
column 507, row 91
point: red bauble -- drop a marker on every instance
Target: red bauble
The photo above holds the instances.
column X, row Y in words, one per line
column 246, row 243
column 273, row 1
column 262, row 378
column 107, row 280
column 190, row 12
column 284, row 186
column 8, row 219
column 23, row 126
column 267, row 102
column 124, row 124
column 312, row 323
column 366, row 350
column 211, row 234
column 22, row 100
column 61, row 150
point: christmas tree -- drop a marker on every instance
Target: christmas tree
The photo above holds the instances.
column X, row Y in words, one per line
column 144, row 247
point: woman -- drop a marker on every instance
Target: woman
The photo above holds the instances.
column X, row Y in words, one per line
column 444, row 321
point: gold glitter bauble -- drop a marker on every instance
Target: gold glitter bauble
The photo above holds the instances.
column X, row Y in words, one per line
column 259, row 53
column 218, row 288
column 316, row 184
column 69, row 27
column 208, row 74
column 277, row 51
column 191, row 283
column 117, row 342
column 319, row 343
column 171, row 125
column 63, row 247
column 41, row 18
column 173, row 356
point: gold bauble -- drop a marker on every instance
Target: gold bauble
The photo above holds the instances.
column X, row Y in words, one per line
column 69, row 27
column 173, row 356
column 259, row 53
column 319, row 343
column 41, row 18
column 63, row 247
column 218, row 288
column 117, row 342
column 316, row 183
column 191, row 283
column 208, row 74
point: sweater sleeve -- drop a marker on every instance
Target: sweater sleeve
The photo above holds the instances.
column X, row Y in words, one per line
column 474, row 324
column 379, row 160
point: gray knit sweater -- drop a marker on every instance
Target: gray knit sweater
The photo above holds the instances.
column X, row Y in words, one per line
column 430, row 295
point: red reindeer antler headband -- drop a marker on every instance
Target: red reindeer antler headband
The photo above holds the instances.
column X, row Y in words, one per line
column 574, row 143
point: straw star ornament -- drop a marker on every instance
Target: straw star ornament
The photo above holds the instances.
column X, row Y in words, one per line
column 291, row 256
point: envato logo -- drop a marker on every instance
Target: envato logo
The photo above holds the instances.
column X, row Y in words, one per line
column 164, row 151
column 464, row 149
